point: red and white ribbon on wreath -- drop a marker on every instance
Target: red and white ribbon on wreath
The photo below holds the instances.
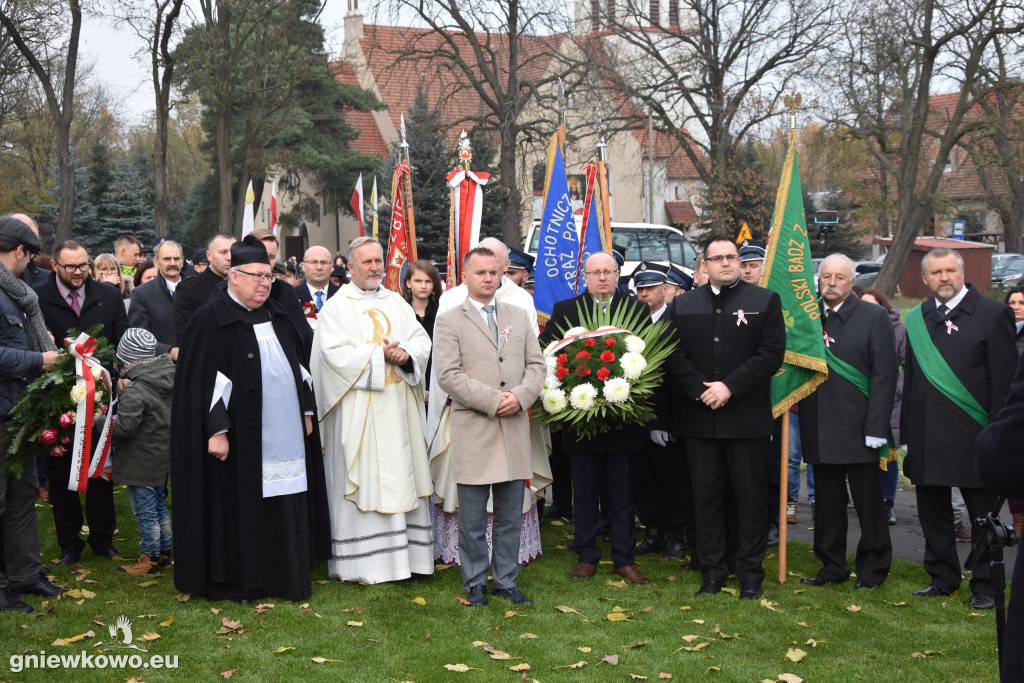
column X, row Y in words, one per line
column 586, row 335
column 82, row 469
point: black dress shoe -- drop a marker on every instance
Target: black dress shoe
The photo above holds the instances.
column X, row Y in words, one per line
column 654, row 542
column 513, row 594
column 675, row 550
column 9, row 602
column 710, row 587
column 692, row 566
column 819, row 580
column 241, row 601
column 750, row 591
column 69, row 558
column 980, row 601
column 932, row 591
column 38, row 587
column 559, row 512
column 110, row 552
column 478, row 596
column 868, row 585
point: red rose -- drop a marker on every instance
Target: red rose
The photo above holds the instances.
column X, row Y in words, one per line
column 607, row 357
column 609, row 342
column 582, row 371
column 66, row 440
column 67, row 419
column 589, row 342
column 560, row 373
column 562, row 359
column 103, row 409
column 48, row 435
column 603, row 374
column 585, row 355
column 58, row 451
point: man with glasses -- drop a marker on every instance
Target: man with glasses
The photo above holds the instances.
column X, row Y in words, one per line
column 601, row 465
column 317, row 266
column 251, row 506
column 70, row 298
column 732, row 339
column 196, row 291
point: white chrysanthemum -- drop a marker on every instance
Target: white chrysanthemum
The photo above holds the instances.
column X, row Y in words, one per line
column 635, row 344
column 632, row 364
column 616, row 390
column 552, row 364
column 551, row 383
column 78, row 393
column 97, row 373
column 573, row 331
column 582, row 396
column 554, row 401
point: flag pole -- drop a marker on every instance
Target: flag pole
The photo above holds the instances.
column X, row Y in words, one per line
column 562, row 101
column 403, row 156
column 602, row 182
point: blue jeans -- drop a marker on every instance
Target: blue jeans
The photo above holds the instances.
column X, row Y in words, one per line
column 150, row 509
column 795, row 455
column 889, row 479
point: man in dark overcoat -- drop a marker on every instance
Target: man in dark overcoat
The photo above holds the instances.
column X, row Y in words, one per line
column 962, row 341
column 152, row 306
column 70, row 298
column 195, row 292
column 601, row 465
column 844, row 431
column 732, row 339
column 250, row 502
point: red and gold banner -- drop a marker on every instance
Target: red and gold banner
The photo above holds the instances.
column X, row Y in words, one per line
column 398, row 238
column 466, row 209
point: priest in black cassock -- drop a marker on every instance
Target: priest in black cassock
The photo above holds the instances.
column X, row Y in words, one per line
column 250, row 504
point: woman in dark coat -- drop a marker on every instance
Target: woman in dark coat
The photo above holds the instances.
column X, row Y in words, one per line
column 1015, row 300
column 421, row 287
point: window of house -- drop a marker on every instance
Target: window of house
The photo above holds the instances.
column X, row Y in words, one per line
column 655, row 13
column 673, row 12
column 610, row 8
column 595, row 14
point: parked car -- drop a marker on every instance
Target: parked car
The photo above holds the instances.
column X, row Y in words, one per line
column 867, row 271
column 1008, row 273
column 998, row 258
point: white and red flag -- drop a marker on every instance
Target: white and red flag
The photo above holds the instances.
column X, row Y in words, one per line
column 357, row 203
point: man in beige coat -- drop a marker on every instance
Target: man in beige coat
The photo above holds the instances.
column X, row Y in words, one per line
column 487, row 359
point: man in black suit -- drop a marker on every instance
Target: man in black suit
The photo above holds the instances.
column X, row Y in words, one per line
column 732, row 339
column 842, row 429
column 961, row 341
column 318, row 288
column 196, row 291
column 601, row 465
column 71, row 299
column 152, row 306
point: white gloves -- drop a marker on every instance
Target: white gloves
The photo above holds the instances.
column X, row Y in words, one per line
column 660, row 437
column 873, row 442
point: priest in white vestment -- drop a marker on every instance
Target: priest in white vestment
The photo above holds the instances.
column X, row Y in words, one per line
column 444, row 510
column 369, row 355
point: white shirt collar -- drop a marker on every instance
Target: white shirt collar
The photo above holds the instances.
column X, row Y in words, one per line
column 952, row 303
column 313, row 290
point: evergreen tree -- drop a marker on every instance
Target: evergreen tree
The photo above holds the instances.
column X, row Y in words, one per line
column 98, row 172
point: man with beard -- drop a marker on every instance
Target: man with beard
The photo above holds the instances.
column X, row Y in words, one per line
column 196, row 291
column 732, row 339
column 152, row 306
column 251, row 511
column 71, row 299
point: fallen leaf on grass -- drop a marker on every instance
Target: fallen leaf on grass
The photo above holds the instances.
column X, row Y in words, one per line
column 611, row 659
column 730, row 591
column 216, row 610
column 283, row 648
column 790, row 678
column 511, row 613
column 229, row 673
column 578, row 665
column 617, row 584
column 803, row 623
column 728, row 636
column 975, row 614
column 768, row 604
column 853, row 608
column 500, row 655
column 148, row 636
column 690, row 639
column 182, row 597
column 664, row 675
column 557, row 522
column 528, row 635
column 260, row 609
column 795, row 655
column 420, row 601
column 353, row 623
column 520, row 667
column 697, row 621
column 635, row 645
column 898, row 604
column 464, row 601
column 167, row 622
column 617, row 616
column 354, row 610
column 813, row 643
column 460, row 668
column 80, row 593
column 798, row 591
column 928, row 653
column 713, row 668
column 584, row 649
column 638, row 677
column 74, row 639
column 321, row 660
column 685, row 607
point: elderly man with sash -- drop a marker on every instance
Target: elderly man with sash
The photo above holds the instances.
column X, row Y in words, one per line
column 369, row 354
column 844, row 427
column 960, row 361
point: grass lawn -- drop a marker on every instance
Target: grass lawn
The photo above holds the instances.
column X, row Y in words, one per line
column 383, row 633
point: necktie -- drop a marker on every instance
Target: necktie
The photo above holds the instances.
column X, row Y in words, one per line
column 73, row 295
column 319, row 299
column 943, row 309
column 491, row 322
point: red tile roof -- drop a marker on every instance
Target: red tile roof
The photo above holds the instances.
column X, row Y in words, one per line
column 681, row 213
column 369, row 140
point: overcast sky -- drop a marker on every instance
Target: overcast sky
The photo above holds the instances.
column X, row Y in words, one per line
column 127, row 80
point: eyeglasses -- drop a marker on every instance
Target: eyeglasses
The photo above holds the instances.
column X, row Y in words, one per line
column 729, row 258
column 600, row 273
column 259, row 277
column 72, row 268
column 318, row 263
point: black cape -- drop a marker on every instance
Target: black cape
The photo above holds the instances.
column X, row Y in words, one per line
column 231, row 542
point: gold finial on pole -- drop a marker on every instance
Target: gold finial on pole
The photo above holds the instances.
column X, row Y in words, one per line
column 465, row 150
column 792, row 103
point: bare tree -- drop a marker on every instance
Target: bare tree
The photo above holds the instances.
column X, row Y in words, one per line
column 155, row 22
column 710, row 72
column 21, row 21
column 894, row 55
column 504, row 55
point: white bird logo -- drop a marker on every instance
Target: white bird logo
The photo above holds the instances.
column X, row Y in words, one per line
column 124, row 626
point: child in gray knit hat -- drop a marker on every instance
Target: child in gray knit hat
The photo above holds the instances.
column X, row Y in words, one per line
column 142, row 444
